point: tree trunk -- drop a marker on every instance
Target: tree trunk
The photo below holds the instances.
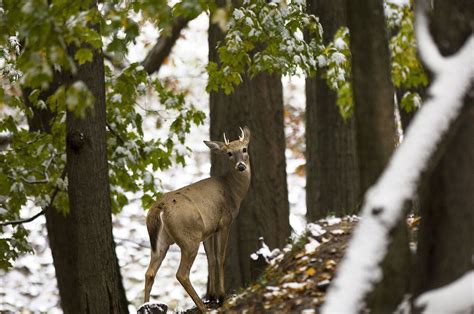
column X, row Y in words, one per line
column 375, row 128
column 81, row 242
column 445, row 247
column 372, row 88
column 332, row 182
column 257, row 103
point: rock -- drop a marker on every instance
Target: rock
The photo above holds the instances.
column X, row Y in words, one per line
column 153, row 308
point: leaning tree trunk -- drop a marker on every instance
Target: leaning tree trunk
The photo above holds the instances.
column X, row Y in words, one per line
column 446, row 232
column 257, row 103
column 332, row 182
column 81, row 241
column 375, row 128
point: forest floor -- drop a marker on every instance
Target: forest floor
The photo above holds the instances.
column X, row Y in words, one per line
column 296, row 279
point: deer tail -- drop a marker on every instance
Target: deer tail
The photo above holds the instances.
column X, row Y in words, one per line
column 153, row 224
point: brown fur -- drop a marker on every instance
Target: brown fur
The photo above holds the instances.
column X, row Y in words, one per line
column 200, row 212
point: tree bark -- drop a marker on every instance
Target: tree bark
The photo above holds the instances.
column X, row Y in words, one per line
column 257, row 103
column 445, row 247
column 372, row 88
column 376, row 133
column 332, row 182
column 81, row 242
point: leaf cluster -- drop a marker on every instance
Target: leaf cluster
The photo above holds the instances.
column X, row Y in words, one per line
column 42, row 42
column 265, row 36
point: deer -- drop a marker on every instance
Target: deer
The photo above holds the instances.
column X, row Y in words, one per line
column 200, row 212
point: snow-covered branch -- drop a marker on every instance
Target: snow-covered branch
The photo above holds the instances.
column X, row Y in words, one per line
column 457, row 297
column 383, row 206
column 43, row 210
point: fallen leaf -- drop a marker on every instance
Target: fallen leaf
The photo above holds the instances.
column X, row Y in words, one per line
column 310, row 271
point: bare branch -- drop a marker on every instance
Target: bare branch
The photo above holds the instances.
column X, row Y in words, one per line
column 26, row 220
column 157, row 55
column 45, row 173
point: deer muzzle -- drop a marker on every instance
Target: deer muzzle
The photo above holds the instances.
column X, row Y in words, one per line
column 241, row 166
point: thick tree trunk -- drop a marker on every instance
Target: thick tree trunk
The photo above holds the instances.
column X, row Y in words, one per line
column 446, row 232
column 372, row 88
column 83, row 248
column 257, row 103
column 332, row 182
column 81, row 242
column 375, row 127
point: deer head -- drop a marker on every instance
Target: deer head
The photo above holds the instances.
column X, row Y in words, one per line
column 236, row 151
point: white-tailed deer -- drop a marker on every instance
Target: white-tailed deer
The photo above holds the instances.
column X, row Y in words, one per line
column 202, row 211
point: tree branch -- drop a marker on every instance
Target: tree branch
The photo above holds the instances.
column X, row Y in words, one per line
column 26, row 220
column 114, row 133
column 157, row 55
column 384, row 202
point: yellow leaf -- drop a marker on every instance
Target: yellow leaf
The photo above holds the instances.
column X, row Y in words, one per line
column 310, row 271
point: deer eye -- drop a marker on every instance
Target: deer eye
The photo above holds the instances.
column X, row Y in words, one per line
column 230, row 154
column 244, row 150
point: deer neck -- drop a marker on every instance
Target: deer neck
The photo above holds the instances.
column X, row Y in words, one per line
column 238, row 183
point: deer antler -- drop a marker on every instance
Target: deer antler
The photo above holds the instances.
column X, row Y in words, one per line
column 241, row 137
column 226, row 141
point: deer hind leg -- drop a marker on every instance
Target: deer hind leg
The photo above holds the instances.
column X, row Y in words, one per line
column 209, row 247
column 188, row 254
column 157, row 257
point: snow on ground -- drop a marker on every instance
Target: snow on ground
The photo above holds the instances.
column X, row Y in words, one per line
column 31, row 284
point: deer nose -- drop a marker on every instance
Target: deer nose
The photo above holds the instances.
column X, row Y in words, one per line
column 241, row 166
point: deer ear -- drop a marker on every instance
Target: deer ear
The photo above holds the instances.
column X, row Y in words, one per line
column 246, row 134
column 215, row 146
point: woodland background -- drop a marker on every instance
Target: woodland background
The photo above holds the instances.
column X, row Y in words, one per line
column 103, row 103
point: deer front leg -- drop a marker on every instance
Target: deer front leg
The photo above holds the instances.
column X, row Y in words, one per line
column 222, row 238
column 209, row 247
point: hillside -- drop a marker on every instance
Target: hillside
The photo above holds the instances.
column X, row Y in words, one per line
column 296, row 280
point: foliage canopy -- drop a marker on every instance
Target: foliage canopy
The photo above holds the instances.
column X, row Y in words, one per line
column 40, row 39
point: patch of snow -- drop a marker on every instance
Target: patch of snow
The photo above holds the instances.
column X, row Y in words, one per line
column 456, row 297
column 116, row 98
column 294, row 285
column 265, row 252
column 315, row 229
column 311, row 246
column 340, row 44
column 405, row 306
column 338, row 58
column 332, row 220
column 322, row 61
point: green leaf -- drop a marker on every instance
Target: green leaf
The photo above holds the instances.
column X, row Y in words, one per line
column 83, row 55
